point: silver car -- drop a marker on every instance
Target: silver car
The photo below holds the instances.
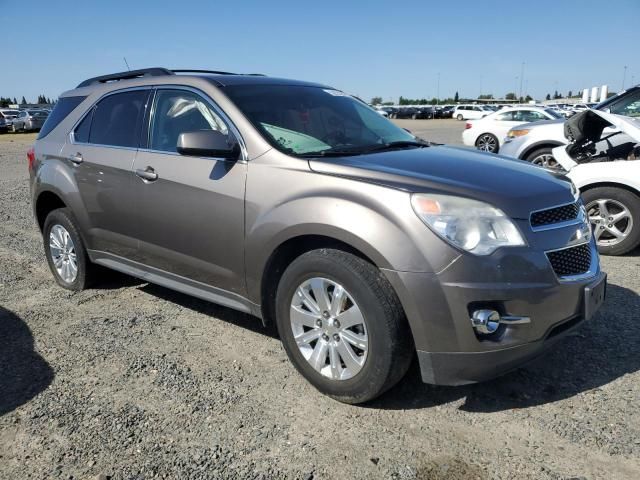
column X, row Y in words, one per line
column 299, row 204
column 29, row 120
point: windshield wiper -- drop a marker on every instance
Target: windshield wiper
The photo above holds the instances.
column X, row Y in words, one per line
column 398, row 144
column 335, row 152
column 332, row 153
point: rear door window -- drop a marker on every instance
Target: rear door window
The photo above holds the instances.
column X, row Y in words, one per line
column 117, row 119
column 64, row 106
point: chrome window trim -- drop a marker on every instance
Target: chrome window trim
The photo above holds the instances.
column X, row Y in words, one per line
column 212, row 104
column 580, row 218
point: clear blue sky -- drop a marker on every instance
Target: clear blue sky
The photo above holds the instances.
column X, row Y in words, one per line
column 368, row 48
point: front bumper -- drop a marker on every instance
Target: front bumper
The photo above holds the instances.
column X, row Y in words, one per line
column 519, row 283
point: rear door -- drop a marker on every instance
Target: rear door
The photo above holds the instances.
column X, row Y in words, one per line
column 191, row 215
column 102, row 148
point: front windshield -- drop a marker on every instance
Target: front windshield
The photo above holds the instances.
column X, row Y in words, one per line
column 306, row 120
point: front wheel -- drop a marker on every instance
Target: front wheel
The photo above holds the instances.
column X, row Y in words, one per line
column 614, row 214
column 342, row 325
column 543, row 157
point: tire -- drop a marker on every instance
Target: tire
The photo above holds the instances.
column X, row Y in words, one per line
column 543, row 157
column 85, row 269
column 389, row 346
column 460, row 117
column 488, row 142
column 622, row 213
column 414, row 116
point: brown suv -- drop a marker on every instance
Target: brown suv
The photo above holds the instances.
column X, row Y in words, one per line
column 301, row 205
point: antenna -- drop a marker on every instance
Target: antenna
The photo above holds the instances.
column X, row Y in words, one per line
column 126, row 63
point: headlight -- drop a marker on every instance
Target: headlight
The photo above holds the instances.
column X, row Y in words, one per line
column 474, row 226
column 517, row 133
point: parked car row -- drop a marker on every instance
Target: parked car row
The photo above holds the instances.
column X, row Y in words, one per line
column 416, row 113
column 22, row 120
column 597, row 148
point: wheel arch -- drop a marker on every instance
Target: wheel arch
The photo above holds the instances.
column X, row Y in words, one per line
column 610, row 184
column 536, row 146
column 45, row 203
column 286, row 252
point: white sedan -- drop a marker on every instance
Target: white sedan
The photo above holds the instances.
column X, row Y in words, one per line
column 488, row 133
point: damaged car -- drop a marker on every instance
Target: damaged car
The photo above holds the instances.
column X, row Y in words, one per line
column 603, row 161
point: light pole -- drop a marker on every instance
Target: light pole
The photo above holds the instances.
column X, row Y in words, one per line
column 624, row 76
column 521, row 78
column 438, row 91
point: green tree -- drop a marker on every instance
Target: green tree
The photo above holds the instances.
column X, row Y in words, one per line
column 15, row 102
column 570, row 94
column 485, row 97
column 23, row 101
column 528, row 98
column 548, row 97
column 456, row 97
column 510, row 96
column 376, row 100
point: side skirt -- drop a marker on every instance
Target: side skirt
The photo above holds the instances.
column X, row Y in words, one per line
column 176, row 282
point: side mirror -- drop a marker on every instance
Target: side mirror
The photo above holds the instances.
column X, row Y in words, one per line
column 208, row 143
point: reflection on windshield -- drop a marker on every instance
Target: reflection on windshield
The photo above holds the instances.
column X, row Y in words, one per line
column 306, row 119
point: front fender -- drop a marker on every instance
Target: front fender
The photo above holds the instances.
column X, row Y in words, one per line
column 376, row 220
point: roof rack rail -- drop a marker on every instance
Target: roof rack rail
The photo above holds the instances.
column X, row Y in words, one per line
column 191, row 70
column 144, row 72
column 215, row 72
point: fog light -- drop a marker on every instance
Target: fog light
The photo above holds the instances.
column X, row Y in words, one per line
column 485, row 321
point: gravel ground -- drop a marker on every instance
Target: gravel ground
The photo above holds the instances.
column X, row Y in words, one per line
column 133, row 381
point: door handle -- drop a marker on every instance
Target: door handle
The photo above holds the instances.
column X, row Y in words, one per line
column 77, row 158
column 147, row 173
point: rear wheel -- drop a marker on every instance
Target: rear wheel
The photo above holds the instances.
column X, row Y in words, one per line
column 342, row 325
column 65, row 252
column 488, row 143
column 614, row 214
column 460, row 117
column 543, row 157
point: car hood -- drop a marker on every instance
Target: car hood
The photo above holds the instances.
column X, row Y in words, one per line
column 588, row 126
column 516, row 187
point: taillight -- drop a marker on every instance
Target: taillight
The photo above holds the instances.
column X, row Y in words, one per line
column 31, row 157
column 468, row 126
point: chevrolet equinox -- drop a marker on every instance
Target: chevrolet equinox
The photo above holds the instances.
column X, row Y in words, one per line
column 300, row 205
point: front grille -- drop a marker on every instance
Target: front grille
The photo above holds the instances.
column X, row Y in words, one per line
column 571, row 261
column 555, row 215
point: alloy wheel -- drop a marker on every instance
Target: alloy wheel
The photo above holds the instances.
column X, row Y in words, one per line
column 612, row 221
column 487, row 143
column 329, row 328
column 63, row 253
column 546, row 160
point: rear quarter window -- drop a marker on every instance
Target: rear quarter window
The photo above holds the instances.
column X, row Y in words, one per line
column 63, row 108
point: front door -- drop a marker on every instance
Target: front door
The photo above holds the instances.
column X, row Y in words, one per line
column 191, row 209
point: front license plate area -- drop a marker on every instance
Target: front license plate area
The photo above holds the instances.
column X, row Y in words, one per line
column 594, row 296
